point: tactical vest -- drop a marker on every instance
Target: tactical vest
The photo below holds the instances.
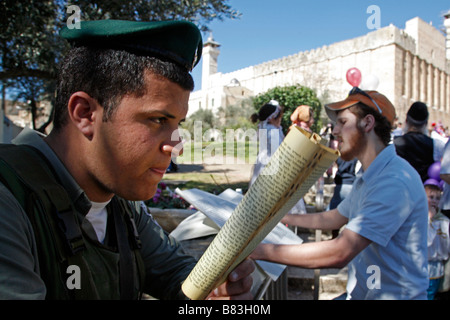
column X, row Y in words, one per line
column 106, row 272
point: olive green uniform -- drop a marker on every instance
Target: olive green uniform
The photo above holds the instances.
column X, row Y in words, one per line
column 165, row 264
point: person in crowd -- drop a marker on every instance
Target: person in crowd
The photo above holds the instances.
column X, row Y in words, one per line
column 398, row 130
column 438, row 132
column 438, row 237
column 445, row 176
column 384, row 241
column 415, row 145
column 72, row 220
column 343, row 180
column 303, row 116
column 343, row 173
column 270, row 134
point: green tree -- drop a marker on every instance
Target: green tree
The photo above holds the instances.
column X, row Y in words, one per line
column 29, row 43
column 30, row 47
column 236, row 116
column 291, row 97
column 204, row 116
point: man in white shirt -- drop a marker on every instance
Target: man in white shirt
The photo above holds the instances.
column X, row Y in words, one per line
column 384, row 241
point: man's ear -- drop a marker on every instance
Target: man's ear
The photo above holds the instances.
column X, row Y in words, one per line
column 368, row 123
column 83, row 111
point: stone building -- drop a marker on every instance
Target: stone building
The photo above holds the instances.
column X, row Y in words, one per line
column 410, row 64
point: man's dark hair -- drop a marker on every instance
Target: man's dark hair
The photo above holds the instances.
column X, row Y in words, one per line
column 382, row 128
column 107, row 75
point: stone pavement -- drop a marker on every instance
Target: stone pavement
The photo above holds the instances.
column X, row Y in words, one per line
column 234, row 170
column 301, row 282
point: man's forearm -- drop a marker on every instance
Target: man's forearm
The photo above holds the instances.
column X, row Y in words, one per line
column 308, row 255
column 325, row 254
column 328, row 220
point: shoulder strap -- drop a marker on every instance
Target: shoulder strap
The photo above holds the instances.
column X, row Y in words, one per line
column 33, row 172
column 127, row 235
column 26, row 174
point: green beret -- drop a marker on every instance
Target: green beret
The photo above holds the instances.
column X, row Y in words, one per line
column 178, row 41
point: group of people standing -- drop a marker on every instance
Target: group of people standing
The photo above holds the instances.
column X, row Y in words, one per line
column 430, row 156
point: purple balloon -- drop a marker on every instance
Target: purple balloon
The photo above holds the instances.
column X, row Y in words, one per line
column 434, row 171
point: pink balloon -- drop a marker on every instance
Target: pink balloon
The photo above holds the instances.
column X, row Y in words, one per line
column 354, row 77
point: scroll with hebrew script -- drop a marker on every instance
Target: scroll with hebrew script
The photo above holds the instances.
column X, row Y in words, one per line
column 295, row 166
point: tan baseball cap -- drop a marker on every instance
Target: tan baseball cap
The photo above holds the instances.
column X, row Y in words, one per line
column 372, row 99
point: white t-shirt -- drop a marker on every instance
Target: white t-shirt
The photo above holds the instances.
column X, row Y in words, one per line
column 270, row 138
column 438, row 245
column 388, row 206
column 97, row 216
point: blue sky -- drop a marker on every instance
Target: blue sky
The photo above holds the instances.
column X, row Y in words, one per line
column 271, row 29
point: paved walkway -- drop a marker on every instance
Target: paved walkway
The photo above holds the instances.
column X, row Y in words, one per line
column 301, row 282
column 235, row 171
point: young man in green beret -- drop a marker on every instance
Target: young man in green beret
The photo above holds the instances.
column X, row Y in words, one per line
column 77, row 228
